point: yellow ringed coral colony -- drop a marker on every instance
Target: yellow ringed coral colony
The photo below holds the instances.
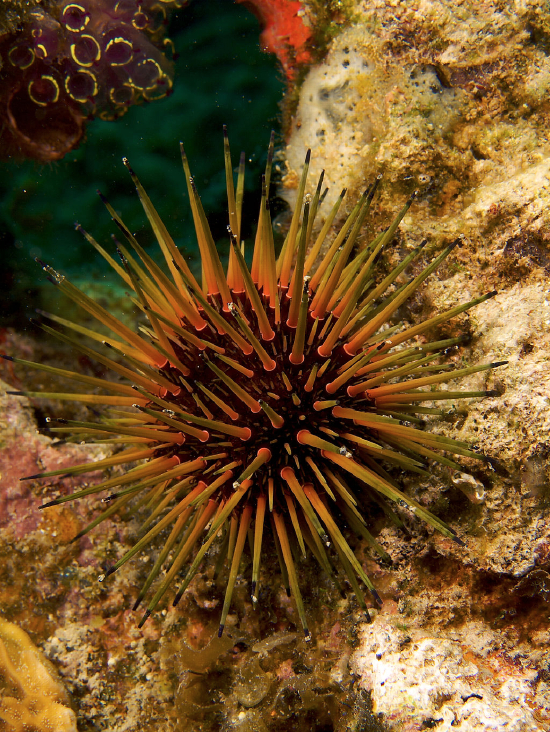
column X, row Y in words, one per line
column 267, row 403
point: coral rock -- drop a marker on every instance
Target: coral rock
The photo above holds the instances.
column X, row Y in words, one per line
column 419, row 680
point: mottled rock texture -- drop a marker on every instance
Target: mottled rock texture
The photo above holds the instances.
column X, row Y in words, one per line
column 462, row 681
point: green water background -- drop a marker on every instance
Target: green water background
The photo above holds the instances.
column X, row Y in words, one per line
column 222, row 77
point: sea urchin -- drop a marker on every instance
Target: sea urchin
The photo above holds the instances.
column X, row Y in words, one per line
column 271, row 397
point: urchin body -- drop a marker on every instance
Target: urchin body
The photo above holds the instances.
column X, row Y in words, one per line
column 270, row 398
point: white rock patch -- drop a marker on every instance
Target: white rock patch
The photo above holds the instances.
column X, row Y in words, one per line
column 415, row 678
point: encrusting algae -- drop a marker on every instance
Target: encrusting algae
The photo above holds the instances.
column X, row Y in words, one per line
column 266, row 404
column 31, row 698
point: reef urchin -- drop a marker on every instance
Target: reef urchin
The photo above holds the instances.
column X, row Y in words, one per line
column 274, row 398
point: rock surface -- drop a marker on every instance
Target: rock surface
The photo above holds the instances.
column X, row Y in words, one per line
column 463, row 680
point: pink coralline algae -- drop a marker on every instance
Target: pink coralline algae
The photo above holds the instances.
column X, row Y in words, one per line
column 77, row 60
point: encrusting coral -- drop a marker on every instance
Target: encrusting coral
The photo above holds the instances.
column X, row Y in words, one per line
column 31, row 698
column 275, row 396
